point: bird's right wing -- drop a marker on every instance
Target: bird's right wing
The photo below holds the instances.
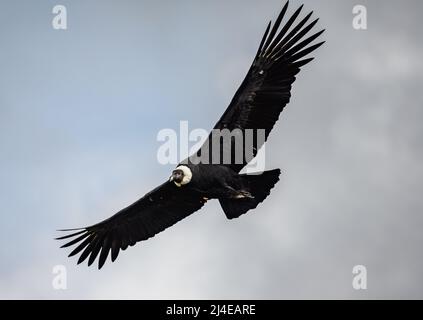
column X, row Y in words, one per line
column 156, row 211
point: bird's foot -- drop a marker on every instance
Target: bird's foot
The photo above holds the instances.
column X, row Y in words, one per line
column 204, row 199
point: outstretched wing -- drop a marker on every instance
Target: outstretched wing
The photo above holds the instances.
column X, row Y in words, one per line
column 156, row 211
column 266, row 89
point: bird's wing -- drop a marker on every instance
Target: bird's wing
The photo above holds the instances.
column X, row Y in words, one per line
column 156, row 211
column 266, row 89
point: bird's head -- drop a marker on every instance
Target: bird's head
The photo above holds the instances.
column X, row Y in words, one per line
column 181, row 176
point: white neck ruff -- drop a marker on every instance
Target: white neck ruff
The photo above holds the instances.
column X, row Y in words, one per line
column 187, row 175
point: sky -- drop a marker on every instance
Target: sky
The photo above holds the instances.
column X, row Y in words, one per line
column 80, row 110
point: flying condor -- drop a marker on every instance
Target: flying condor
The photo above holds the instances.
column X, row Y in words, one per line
column 256, row 105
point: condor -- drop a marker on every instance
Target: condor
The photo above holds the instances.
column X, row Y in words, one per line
column 256, row 105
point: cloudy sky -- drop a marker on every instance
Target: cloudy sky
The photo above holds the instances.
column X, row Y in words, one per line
column 80, row 110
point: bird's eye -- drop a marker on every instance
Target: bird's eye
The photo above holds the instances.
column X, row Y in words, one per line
column 178, row 173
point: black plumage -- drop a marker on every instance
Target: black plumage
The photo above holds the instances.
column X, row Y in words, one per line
column 266, row 89
column 257, row 104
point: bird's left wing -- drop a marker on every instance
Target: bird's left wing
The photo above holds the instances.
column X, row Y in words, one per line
column 156, row 211
column 266, row 89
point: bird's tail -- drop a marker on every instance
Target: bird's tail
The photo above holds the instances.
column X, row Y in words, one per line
column 258, row 185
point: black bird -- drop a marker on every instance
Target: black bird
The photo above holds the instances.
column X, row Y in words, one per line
column 257, row 104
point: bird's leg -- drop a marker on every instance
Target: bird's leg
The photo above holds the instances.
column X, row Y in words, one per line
column 244, row 194
column 238, row 194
